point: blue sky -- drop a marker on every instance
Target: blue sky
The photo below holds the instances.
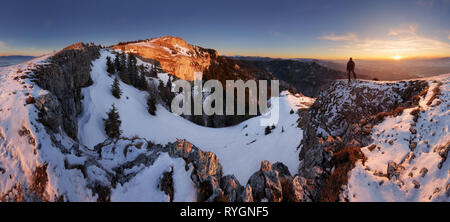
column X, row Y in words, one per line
column 314, row 29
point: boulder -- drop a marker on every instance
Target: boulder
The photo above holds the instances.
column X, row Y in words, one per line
column 266, row 184
column 394, row 170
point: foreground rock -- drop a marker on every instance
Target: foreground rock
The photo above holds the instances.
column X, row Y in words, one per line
column 343, row 116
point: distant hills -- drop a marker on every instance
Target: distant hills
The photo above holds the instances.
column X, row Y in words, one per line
column 13, row 59
column 374, row 69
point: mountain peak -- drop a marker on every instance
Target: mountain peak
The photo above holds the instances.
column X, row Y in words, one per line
column 175, row 55
column 172, row 40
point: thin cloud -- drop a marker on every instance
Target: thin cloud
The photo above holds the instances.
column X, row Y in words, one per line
column 409, row 44
column 334, row 37
column 411, row 30
column 404, row 41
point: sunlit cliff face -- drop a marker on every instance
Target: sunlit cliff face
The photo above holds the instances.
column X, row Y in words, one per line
column 175, row 55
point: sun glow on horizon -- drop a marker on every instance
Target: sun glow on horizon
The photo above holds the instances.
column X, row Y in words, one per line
column 397, row 57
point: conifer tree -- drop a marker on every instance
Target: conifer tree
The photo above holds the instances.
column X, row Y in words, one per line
column 166, row 92
column 115, row 88
column 110, row 66
column 117, row 63
column 154, row 72
column 151, row 105
column 267, row 130
column 142, row 82
column 142, row 70
column 123, row 72
column 132, row 70
column 112, row 123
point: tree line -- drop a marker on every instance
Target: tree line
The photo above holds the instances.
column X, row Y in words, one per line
column 126, row 68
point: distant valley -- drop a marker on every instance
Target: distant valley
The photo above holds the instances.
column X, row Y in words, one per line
column 12, row 60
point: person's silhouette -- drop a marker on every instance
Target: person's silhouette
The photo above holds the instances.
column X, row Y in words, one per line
column 351, row 69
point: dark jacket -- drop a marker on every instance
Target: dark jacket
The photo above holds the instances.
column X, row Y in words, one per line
column 350, row 65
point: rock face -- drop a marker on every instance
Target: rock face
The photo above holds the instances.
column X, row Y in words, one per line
column 274, row 183
column 266, row 184
column 50, row 111
column 66, row 73
column 343, row 116
column 174, row 54
column 207, row 172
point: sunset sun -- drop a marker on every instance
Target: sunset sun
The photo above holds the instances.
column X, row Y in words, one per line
column 397, row 57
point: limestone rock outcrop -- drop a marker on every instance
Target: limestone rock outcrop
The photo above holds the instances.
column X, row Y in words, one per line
column 174, row 54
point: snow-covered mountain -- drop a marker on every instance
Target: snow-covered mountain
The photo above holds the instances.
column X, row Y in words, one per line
column 174, row 54
column 53, row 146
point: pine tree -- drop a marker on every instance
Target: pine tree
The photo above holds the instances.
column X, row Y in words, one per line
column 132, row 70
column 151, row 105
column 123, row 72
column 115, row 88
column 117, row 63
column 142, row 82
column 154, row 72
column 267, row 130
column 142, row 70
column 112, row 124
column 166, row 92
column 110, row 66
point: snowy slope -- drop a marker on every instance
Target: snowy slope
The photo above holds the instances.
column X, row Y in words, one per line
column 35, row 165
column 413, row 148
column 25, row 146
column 40, row 165
column 240, row 148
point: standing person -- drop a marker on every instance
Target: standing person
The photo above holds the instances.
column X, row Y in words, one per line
column 351, row 69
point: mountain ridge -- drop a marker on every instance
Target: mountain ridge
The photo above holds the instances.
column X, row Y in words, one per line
column 53, row 146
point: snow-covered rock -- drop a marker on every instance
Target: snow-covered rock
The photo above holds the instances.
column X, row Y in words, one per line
column 397, row 171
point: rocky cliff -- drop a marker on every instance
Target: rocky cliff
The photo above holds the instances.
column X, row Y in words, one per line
column 341, row 121
column 174, row 54
column 64, row 75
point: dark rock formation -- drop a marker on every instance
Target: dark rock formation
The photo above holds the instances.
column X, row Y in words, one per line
column 166, row 184
column 274, row 183
column 66, row 73
column 50, row 111
column 394, row 170
column 266, row 184
column 207, row 171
